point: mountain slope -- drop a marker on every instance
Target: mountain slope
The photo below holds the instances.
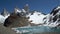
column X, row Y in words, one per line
column 36, row 18
column 5, row 12
column 53, row 19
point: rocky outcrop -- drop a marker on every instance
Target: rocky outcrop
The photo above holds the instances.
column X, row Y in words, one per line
column 16, row 21
column 5, row 12
column 55, row 10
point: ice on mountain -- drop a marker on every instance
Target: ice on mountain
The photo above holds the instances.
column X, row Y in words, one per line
column 37, row 18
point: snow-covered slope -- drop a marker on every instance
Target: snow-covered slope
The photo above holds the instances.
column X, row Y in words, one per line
column 4, row 15
column 2, row 18
column 36, row 18
column 53, row 19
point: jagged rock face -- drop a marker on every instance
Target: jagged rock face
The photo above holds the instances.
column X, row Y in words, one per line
column 26, row 8
column 56, row 14
column 16, row 21
column 22, row 12
column 4, row 13
column 53, row 17
column 17, row 10
column 55, row 10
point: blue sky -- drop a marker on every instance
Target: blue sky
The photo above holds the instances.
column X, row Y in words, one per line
column 44, row 6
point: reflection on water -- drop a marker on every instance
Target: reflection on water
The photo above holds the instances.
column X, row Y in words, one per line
column 37, row 29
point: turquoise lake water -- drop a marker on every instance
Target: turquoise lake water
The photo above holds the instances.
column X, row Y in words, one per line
column 37, row 29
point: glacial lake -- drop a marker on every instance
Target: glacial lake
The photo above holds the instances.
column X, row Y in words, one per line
column 37, row 29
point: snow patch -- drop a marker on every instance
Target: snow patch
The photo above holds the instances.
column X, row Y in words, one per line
column 3, row 18
column 17, row 11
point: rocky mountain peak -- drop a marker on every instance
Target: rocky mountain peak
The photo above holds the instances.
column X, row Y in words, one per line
column 55, row 10
column 5, row 12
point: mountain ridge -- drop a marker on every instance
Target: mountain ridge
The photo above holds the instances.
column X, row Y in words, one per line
column 52, row 19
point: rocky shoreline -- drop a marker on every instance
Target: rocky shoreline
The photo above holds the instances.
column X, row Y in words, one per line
column 4, row 30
